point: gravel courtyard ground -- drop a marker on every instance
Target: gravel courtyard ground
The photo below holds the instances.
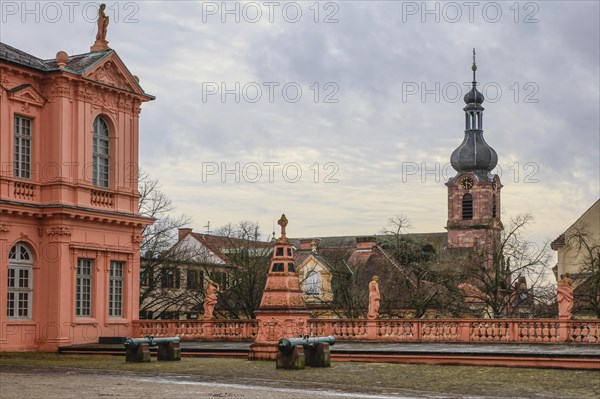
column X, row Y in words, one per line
column 38, row 375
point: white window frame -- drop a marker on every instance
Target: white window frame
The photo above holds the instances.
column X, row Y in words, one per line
column 115, row 289
column 101, row 153
column 313, row 283
column 19, row 283
column 22, row 147
column 83, row 290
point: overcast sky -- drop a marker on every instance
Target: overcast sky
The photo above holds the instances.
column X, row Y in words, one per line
column 379, row 111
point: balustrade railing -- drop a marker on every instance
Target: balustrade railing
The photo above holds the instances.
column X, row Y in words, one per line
column 221, row 330
column 390, row 330
column 102, row 198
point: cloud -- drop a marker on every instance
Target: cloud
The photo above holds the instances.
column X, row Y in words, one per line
column 369, row 59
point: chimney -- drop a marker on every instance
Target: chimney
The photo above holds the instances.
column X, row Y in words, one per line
column 305, row 244
column 184, row 232
column 366, row 242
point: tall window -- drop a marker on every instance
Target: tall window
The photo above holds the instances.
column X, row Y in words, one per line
column 100, row 153
column 115, row 289
column 83, row 294
column 20, row 274
column 467, row 207
column 22, row 154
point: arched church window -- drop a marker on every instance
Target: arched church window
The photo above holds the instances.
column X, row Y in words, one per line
column 467, row 207
column 20, row 282
column 494, row 206
column 100, row 153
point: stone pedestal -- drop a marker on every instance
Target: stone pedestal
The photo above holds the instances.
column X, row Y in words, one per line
column 169, row 351
column 318, row 355
column 139, row 354
column 315, row 355
column 295, row 360
column 274, row 325
column 99, row 45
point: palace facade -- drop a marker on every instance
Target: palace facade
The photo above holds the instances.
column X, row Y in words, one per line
column 69, row 223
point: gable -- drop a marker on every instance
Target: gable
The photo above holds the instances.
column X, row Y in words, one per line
column 314, row 263
column 112, row 72
column 207, row 255
column 26, row 94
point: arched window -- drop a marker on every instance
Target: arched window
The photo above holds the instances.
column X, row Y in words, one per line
column 100, row 153
column 467, row 207
column 312, row 283
column 20, row 282
column 494, row 206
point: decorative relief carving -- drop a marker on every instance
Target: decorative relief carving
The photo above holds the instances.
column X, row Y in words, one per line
column 59, row 231
column 60, row 90
column 110, row 74
column 273, row 299
column 4, row 228
column 25, row 108
column 137, row 238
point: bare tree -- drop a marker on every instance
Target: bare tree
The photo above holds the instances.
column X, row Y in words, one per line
column 161, row 279
column 422, row 283
column 250, row 257
column 497, row 270
column 587, row 295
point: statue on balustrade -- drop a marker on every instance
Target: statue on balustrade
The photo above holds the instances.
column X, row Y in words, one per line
column 210, row 299
column 374, row 298
column 564, row 296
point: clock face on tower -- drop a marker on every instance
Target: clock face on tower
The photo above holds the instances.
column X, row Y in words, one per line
column 466, row 183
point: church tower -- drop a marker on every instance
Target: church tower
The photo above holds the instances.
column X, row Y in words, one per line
column 474, row 193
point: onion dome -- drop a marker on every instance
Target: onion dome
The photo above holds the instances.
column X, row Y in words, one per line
column 474, row 154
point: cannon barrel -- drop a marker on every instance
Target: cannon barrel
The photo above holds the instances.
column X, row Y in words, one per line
column 151, row 341
column 286, row 345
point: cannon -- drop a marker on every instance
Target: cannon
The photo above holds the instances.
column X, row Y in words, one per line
column 151, row 341
column 138, row 349
column 295, row 353
column 286, row 345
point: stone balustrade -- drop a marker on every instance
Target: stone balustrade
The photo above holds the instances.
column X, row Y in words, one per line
column 217, row 330
column 390, row 330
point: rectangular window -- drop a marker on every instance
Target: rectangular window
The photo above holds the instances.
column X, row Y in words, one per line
column 115, row 289
column 18, row 304
column 170, row 278
column 194, row 279
column 22, row 161
column 83, row 293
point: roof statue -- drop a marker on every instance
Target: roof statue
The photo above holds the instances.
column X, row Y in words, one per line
column 101, row 43
column 283, row 222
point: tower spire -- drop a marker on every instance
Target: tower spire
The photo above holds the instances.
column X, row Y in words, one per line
column 474, row 154
column 474, row 68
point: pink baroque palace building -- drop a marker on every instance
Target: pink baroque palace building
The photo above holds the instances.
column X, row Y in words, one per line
column 70, row 229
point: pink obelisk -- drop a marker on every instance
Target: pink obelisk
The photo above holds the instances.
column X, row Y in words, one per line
column 282, row 311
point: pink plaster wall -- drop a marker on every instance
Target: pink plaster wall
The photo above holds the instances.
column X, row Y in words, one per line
column 58, row 213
